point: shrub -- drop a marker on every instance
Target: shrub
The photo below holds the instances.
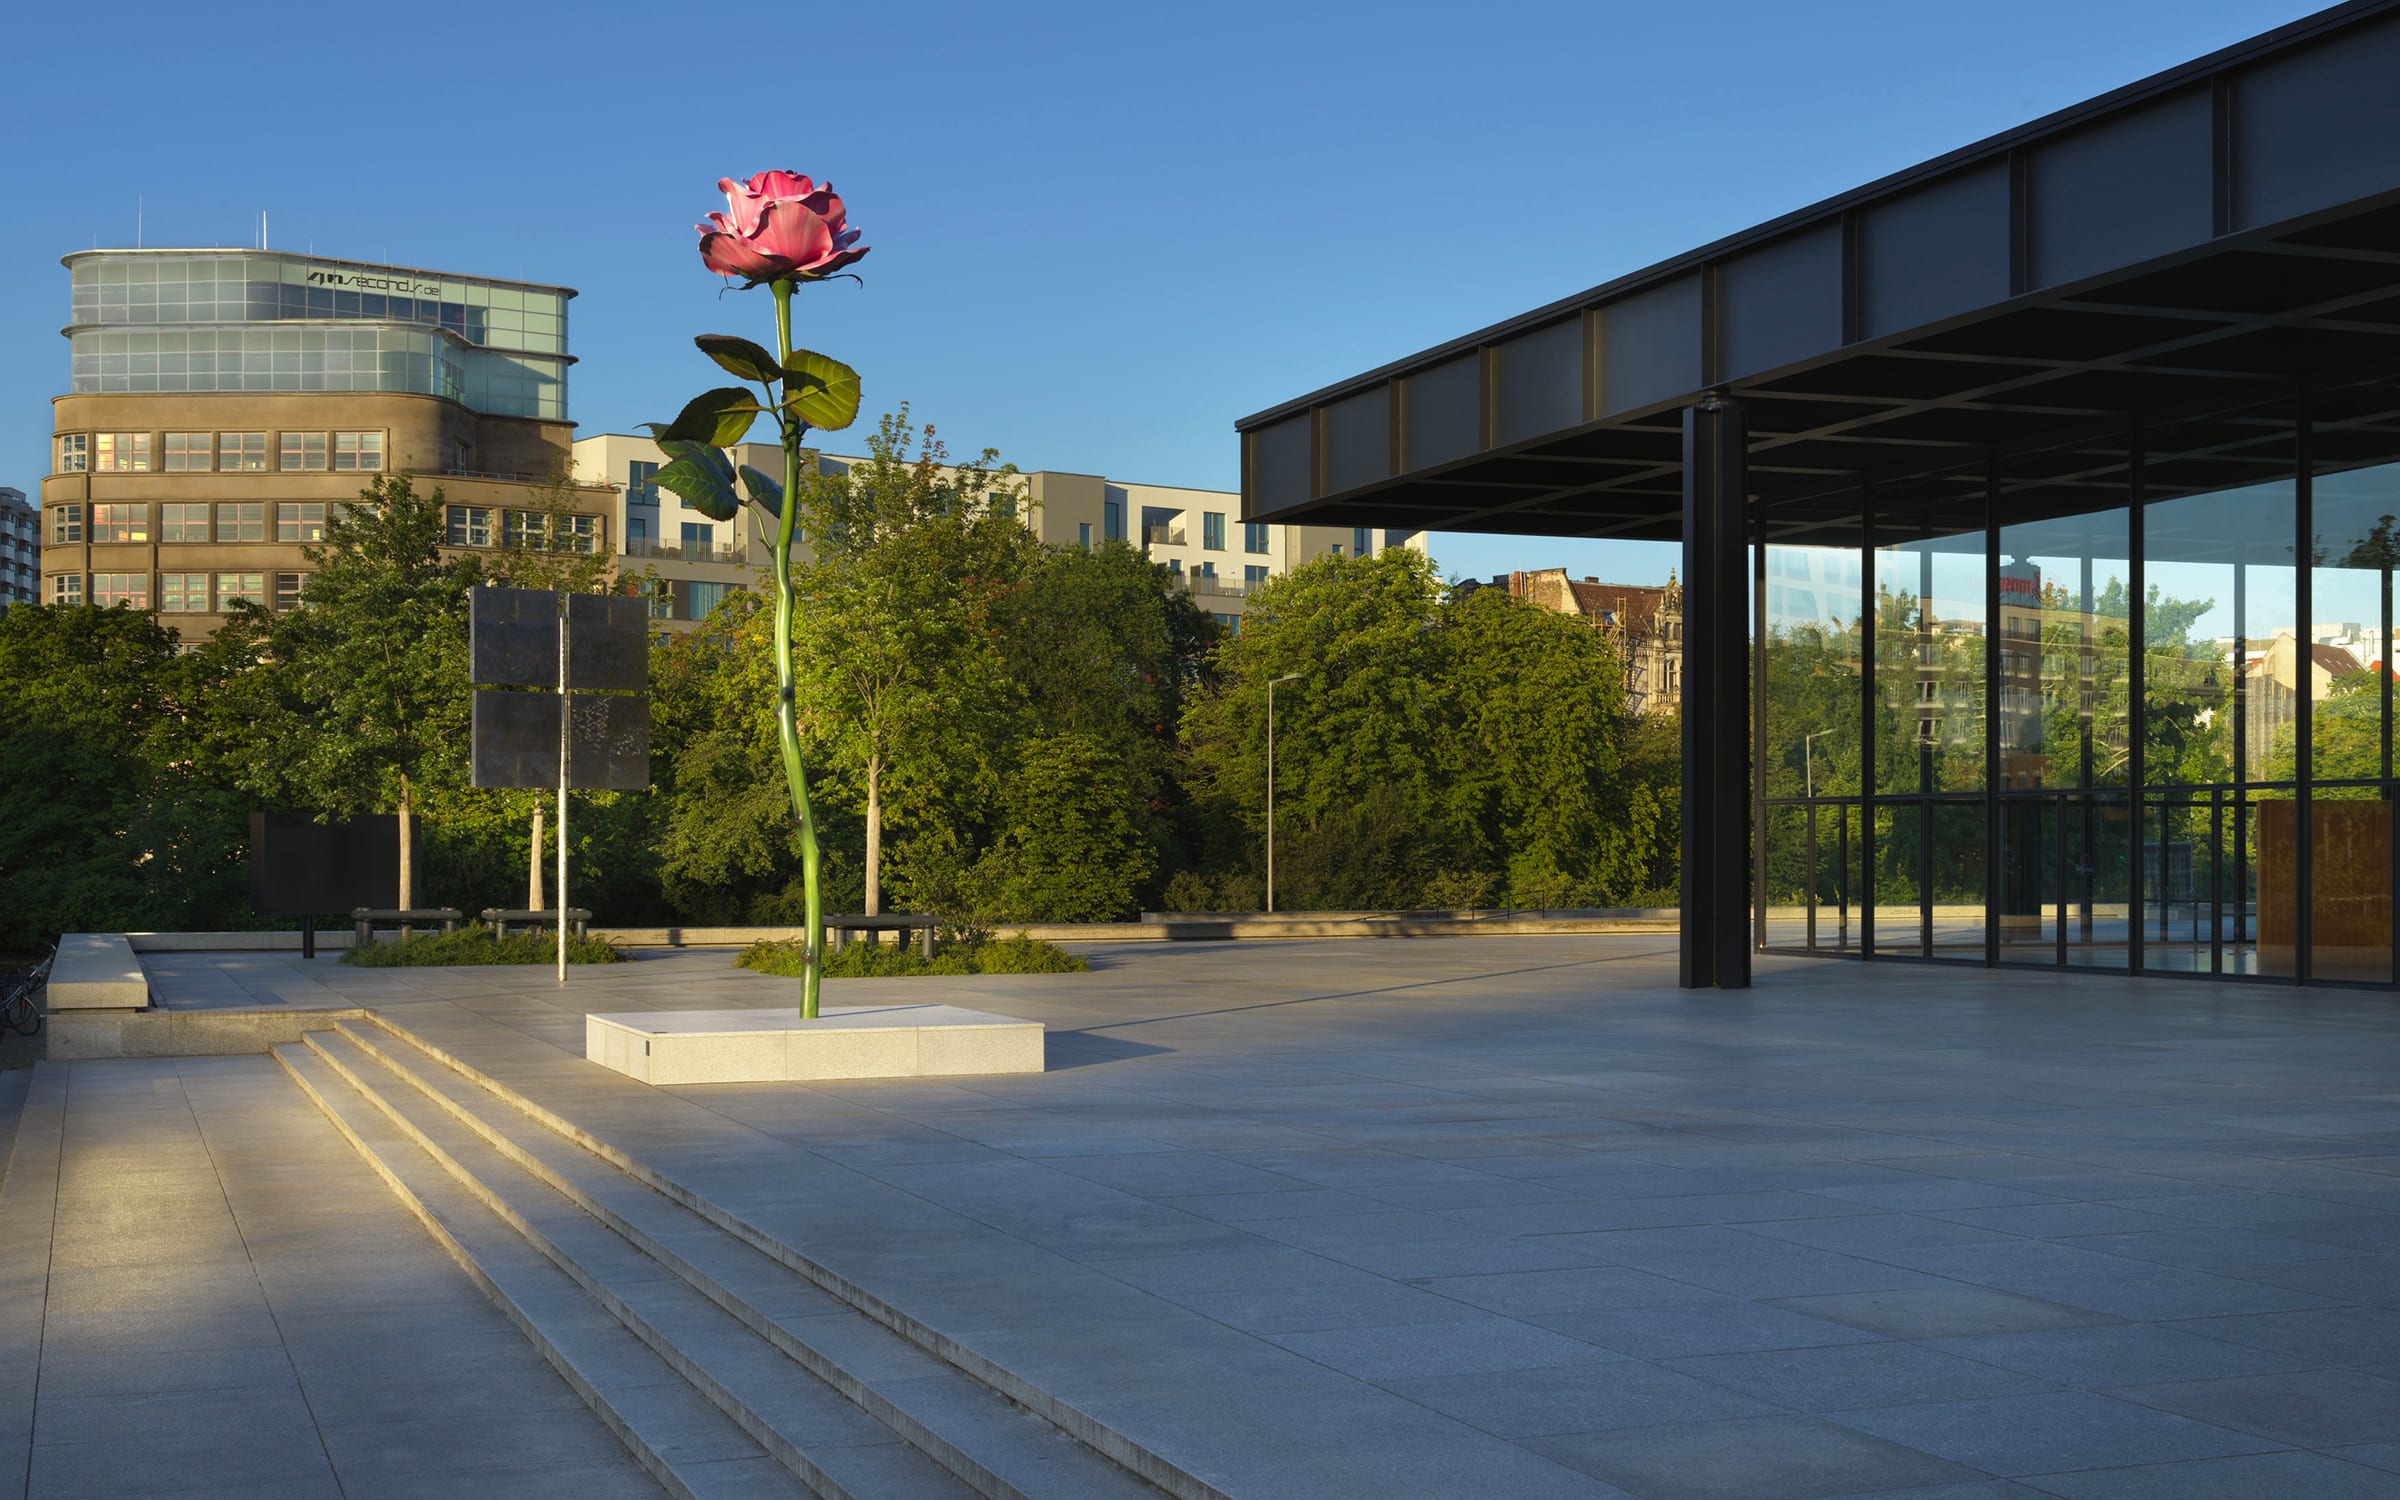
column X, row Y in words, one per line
column 478, row 944
column 974, row 954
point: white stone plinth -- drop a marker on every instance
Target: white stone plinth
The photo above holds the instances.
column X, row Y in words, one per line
column 776, row 1046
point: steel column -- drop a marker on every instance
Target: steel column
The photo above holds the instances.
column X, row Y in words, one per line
column 1716, row 744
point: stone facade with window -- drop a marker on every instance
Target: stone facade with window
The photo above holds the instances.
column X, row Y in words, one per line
column 1198, row 535
column 20, row 549
column 220, row 402
column 1645, row 620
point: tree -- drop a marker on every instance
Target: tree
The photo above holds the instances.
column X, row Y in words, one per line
column 360, row 700
column 896, row 666
column 1437, row 750
column 111, row 818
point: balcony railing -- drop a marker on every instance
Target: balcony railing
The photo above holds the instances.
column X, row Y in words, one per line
column 674, row 552
column 1162, row 536
column 1223, row 588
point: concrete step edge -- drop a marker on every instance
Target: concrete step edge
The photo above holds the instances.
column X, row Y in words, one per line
column 363, row 1117
column 471, row 1177
column 1068, row 1418
column 954, row 1443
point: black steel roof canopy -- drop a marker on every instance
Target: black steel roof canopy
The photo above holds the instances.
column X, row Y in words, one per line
column 2223, row 226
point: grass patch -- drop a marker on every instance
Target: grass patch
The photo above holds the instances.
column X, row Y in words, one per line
column 477, row 944
column 966, row 953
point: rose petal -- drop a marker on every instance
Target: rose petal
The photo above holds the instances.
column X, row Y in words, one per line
column 730, row 255
column 789, row 232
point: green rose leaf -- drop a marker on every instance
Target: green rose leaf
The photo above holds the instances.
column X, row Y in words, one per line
column 738, row 356
column 715, row 417
column 764, row 493
column 700, row 475
column 819, row 391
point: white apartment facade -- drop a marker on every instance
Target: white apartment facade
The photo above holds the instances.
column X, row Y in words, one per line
column 20, row 549
column 1197, row 534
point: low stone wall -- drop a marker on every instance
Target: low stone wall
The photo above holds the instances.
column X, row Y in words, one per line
column 77, row 1037
column 95, row 971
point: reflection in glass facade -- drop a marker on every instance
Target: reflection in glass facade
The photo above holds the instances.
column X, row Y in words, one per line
column 2124, row 702
column 237, row 320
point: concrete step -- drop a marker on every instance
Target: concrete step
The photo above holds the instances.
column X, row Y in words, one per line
column 978, row 1435
column 809, row 1427
column 695, row 1451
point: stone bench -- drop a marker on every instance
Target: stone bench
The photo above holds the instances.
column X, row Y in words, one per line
column 839, row 930
column 96, row 971
column 500, row 919
column 365, row 919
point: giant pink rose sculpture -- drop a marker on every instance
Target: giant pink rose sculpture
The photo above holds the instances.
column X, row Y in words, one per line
column 781, row 231
column 781, row 225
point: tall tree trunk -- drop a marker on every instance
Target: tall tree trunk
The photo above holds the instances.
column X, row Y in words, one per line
column 408, row 873
column 533, row 865
column 874, row 834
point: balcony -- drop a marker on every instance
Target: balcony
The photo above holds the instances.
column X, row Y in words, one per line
column 674, row 552
column 1215, row 588
column 1162, row 536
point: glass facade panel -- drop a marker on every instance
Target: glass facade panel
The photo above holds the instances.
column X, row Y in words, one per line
column 66, row 588
column 129, row 589
column 188, row 452
column 120, row 523
column 242, row 521
column 300, row 521
column 302, row 451
column 242, row 450
column 288, row 588
column 1254, row 538
column 358, row 452
column 241, row 588
column 469, row 526
column 66, row 524
column 122, row 453
column 74, row 452
column 183, row 593
column 2221, row 662
column 183, row 521
column 1212, row 530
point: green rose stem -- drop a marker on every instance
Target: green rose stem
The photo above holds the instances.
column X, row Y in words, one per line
column 787, row 728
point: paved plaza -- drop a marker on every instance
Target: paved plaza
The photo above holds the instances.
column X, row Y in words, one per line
column 1446, row 1217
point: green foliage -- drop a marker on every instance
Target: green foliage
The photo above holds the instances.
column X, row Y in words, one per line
column 739, row 356
column 979, row 955
column 1435, row 752
column 111, row 815
column 476, row 944
column 821, row 391
column 698, row 473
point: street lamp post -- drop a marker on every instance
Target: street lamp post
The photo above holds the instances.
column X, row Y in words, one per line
column 1272, row 684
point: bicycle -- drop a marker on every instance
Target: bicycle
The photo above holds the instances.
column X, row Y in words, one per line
column 17, row 1009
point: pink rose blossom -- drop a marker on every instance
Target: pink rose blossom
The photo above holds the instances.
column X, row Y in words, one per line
column 782, row 227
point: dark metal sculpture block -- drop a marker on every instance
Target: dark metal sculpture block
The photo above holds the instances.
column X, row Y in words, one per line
column 610, row 742
column 515, row 739
column 608, row 643
column 512, row 638
column 300, row 867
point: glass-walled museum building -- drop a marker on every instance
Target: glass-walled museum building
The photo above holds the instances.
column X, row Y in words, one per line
column 2039, row 509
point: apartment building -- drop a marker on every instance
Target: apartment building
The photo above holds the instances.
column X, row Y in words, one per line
column 1196, row 534
column 20, row 548
column 220, row 401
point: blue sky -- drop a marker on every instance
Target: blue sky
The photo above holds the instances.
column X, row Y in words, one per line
column 1102, row 231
